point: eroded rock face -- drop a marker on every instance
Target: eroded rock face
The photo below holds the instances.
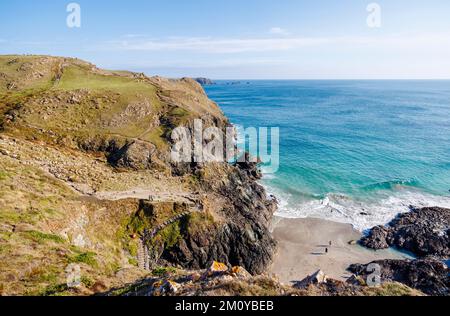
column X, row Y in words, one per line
column 429, row 275
column 422, row 231
column 242, row 238
column 136, row 155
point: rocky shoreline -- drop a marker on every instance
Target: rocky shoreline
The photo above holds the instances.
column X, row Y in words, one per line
column 423, row 232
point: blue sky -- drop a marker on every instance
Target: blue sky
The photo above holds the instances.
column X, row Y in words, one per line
column 231, row 39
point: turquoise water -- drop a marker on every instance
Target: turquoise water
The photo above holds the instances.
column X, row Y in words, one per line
column 351, row 151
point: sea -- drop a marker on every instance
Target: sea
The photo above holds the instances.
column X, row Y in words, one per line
column 350, row 151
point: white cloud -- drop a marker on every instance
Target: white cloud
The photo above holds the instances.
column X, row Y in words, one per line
column 399, row 43
column 278, row 31
column 134, row 36
column 211, row 45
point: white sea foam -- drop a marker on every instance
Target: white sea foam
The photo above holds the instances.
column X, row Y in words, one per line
column 362, row 215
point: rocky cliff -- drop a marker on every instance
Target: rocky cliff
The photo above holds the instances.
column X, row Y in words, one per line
column 87, row 180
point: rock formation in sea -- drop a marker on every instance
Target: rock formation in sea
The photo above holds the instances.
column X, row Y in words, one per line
column 423, row 231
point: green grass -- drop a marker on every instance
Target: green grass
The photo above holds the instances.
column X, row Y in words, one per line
column 3, row 175
column 54, row 290
column 42, row 237
column 71, row 80
column 179, row 112
column 127, row 90
column 163, row 271
column 133, row 262
column 198, row 223
column 171, row 235
column 87, row 282
column 138, row 223
column 84, row 257
column 11, row 70
column 157, row 138
column 392, row 289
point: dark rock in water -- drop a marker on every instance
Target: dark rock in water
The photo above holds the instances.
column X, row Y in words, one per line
column 205, row 81
column 430, row 276
column 422, row 231
column 377, row 238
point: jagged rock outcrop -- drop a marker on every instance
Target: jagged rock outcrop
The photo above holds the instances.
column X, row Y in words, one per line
column 429, row 275
column 422, row 231
column 242, row 236
column 377, row 238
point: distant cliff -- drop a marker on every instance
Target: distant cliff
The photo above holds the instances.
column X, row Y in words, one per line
column 205, row 81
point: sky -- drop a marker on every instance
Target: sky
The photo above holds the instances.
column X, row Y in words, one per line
column 239, row 39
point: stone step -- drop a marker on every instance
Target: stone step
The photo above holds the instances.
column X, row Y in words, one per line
column 143, row 255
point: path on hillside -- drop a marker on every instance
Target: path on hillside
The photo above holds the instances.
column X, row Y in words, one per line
column 147, row 194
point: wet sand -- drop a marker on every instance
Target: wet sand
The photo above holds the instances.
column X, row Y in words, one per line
column 302, row 244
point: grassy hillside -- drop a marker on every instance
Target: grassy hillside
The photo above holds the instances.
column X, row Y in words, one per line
column 77, row 101
column 57, row 117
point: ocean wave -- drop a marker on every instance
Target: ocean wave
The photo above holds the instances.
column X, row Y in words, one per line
column 364, row 213
column 391, row 185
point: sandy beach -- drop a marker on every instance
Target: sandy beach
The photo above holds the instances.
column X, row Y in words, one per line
column 302, row 244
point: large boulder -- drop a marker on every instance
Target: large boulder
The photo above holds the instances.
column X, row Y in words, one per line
column 377, row 238
column 422, row 231
column 241, row 236
column 216, row 268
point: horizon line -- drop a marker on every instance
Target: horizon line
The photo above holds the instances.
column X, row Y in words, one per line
column 320, row 79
